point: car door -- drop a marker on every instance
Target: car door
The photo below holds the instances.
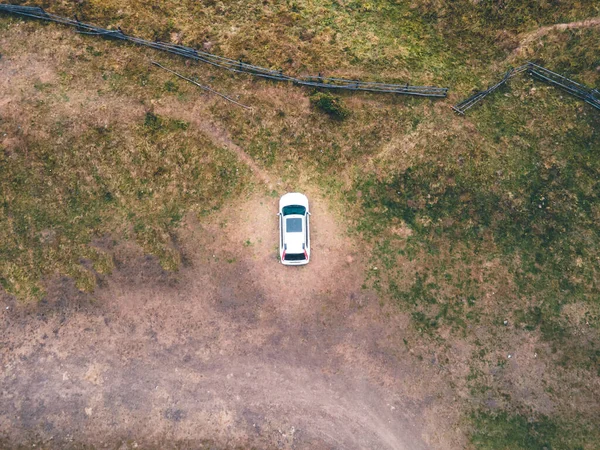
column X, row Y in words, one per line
column 307, row 230
column 280, row 232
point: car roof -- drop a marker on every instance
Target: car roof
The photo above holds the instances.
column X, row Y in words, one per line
column 294, row 240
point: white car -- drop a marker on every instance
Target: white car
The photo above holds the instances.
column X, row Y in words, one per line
column 294, row 229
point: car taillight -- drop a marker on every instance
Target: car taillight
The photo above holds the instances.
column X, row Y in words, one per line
column 305, row 255
column 283, row 256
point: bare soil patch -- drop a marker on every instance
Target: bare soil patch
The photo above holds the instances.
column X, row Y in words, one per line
column 234, row 350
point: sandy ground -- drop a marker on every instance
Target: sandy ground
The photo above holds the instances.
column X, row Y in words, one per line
column 234, row 350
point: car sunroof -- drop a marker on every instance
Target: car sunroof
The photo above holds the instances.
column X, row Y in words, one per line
column 293, row 225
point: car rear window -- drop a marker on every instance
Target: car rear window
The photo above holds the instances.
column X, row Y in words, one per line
column 294, row 209
column 295, row 257
column 293, row 225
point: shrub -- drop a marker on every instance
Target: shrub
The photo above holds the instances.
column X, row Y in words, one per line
column 330, row 105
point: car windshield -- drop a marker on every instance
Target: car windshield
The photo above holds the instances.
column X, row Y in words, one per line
column 295, row 257
column 294, row 209
column 293, row 225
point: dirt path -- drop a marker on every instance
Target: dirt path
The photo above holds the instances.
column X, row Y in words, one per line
column 530, row 37
column 198, row 117
column 235, row 349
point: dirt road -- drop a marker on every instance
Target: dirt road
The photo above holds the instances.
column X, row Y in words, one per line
column 234, row 350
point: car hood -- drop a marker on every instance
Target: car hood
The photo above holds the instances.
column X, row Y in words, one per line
column 293, row 198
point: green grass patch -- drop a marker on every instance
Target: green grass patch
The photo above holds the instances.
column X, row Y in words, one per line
column 503, row 431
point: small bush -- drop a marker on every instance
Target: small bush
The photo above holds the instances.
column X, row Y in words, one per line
column 153, row 122
column 330, row 105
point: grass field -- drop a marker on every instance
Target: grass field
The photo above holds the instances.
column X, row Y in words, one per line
column 484, row 228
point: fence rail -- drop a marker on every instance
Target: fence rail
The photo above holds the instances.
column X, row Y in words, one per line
column 588, row 95
column 231, row 65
